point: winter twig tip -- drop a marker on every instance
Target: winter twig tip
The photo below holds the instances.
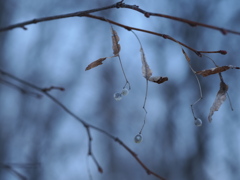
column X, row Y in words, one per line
column 223, row 52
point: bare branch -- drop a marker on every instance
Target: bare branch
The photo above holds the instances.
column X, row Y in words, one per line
column 85, row 124
column 117, row 5
column 133, row 7
column 50, row 18
column 191, row 23
column 129, row 28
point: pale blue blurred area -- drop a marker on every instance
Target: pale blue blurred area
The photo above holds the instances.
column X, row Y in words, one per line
column 56, row 53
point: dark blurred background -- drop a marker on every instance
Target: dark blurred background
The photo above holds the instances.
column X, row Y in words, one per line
column 55, row 53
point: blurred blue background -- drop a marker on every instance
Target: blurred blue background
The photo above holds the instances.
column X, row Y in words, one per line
column 56, row 53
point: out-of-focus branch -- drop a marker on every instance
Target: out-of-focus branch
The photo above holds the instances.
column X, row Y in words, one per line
column 53, row 87
column 85, row 124
column 11, row 169
column 24, row 91
column 50, row 18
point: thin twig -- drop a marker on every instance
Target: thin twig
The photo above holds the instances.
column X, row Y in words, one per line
column 144, row 107
column 199, row 85
column 200, row 90
column 127, row 82
column 146, row 92
column 90, row 153
column 129, row 28
column 88, row 169
column 24, row 91
column 230, row 103
column 16, row 173
column 85, row 124
column 192, row 23
column 20, row 165
column 50, row 18
column 10, row 168
column 117, row 5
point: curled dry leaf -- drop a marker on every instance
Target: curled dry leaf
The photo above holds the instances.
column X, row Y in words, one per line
column 146, row 71
column 115, row 46
column 220, row 98
column 158, row 79
column 216, row 70
column 95, row 63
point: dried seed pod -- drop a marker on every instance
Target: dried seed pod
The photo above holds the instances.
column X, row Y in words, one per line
column 138, row 138
column 198, row 122
column 117, row 96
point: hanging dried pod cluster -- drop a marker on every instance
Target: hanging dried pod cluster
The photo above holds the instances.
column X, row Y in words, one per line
column 147, row 74
column 222, row 93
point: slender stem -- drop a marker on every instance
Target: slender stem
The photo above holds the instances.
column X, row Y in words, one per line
column 88, row 169
column 199, row 85
column 230, row 103
column 127, row 82
column 200, row 91
column 144, row 107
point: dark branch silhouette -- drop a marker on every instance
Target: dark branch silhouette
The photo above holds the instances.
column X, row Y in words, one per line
column 116, row 5
column 85, row 124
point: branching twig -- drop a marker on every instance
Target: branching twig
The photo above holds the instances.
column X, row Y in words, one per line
column 85, row 124
column 133, row 7
column 90, row 153
column 116, row 5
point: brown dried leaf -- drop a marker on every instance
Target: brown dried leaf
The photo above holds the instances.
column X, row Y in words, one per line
column 95, row 63
column 146, row 71
column 215, row 70
column 186, row 56
column 158, row 79
column 220, row 98
column 115, row 46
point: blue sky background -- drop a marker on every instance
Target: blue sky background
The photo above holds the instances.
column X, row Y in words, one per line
column 56, row 53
